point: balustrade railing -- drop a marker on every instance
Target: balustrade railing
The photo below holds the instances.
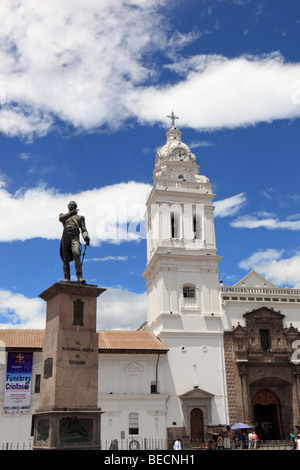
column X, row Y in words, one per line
column 205, row 187
column 260, row 290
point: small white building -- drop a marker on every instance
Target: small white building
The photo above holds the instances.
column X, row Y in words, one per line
column 209, row 354
column 131, row 386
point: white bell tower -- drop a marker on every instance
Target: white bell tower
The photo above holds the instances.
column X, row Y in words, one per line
column 182, row 261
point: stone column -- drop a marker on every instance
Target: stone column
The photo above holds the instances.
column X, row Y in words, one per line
column 245, row 394
column 296, row 396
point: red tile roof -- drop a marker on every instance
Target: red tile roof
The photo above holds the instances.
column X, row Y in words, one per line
column 110, row 341
column 19, row 338
column 124, row 340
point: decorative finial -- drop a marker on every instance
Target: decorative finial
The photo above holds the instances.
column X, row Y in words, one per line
column 173, row 117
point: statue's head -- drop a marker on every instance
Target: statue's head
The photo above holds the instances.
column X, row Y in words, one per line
column 72, row 205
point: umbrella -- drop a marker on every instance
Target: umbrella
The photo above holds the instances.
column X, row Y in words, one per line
column 242, row 426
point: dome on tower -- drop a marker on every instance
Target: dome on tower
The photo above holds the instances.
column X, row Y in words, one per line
column 175, row 160
column 174, row 149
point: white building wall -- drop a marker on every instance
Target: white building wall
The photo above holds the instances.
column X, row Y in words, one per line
column 151, row 410
column 130, row 373
column 234, row 311
column 195, row 360
column 124, row 388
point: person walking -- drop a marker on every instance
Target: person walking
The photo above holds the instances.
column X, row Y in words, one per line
column 255, row 439
column 250, row 442
column 297, row 442
column 220, row 442
column 177, row 444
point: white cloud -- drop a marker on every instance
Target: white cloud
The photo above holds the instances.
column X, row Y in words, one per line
column 74, row 60
column 107, row 258
column 275, row 266
column 16, row 121
column 93, row 64
column 123, row 309
column 261, row 258
column 201, row 143
column 112, row 213
column 229, row 206
column 18, row 311
column 116, row 309
column 268, row 221
column 218, row 92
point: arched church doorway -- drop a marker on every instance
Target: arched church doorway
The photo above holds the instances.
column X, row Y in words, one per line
column 196, row 425
column 266, row 411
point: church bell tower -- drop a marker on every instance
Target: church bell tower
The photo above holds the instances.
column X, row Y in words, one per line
column 182, row 261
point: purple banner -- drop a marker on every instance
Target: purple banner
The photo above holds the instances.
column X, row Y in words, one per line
column 18, row 382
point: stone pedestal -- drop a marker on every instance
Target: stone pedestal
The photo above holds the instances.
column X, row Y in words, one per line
column 68, row 416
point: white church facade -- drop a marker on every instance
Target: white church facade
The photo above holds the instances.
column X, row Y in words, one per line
column 209, row 354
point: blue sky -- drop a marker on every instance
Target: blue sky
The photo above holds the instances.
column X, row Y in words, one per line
column 85, row 88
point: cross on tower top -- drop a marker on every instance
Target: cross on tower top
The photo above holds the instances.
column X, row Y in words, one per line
column 173, row 118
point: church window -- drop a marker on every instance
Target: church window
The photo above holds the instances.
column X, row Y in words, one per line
column 189, row 291
column 265, row 339
column 133, row 423
column 175, row 224
column 197, row 223
column 172, row 225
column 194, row 226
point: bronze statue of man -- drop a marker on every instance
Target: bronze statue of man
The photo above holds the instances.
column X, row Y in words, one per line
column 73, row 224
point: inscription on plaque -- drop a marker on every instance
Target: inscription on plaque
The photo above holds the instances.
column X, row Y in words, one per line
column 48, row 367
column 77, row 349
column 78, row 312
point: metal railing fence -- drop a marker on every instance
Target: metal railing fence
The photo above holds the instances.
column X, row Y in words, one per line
column 165, row 444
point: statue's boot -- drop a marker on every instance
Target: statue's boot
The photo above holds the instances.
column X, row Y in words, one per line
column 78, row 268
column 66, row 268
column 80, row 278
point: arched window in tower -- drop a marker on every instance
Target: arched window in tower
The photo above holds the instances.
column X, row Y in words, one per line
column 197, row 223
column 175, row 221
column 194, row 226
